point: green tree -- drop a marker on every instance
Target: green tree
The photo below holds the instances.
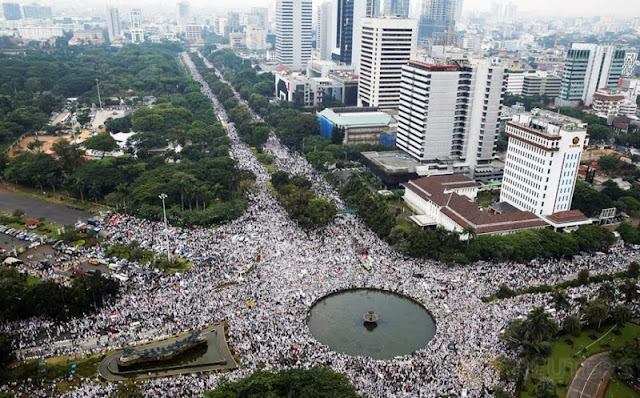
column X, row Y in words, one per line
column 595, row 313
column 627, row 361
column 599, row 132
column 319, row 158
column 337, row 135
column 572, row 325
column 609, row 164
column 309, row 383
column 70, row 156
column 621, row 314
column 633, row 269
column 321, row 211
column 629, row 290
column 607, row 292
column 560, row 300
column 101, row 142
column 6, row 350
column 539, row 326
column 546, row 389
column 583, row 276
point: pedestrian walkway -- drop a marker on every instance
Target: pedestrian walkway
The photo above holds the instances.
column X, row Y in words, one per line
column 592, row 378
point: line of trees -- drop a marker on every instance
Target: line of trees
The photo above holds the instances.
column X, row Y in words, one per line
column 21, row 300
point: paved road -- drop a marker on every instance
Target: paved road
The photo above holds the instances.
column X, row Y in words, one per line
column 592, row 377
column 36, row 208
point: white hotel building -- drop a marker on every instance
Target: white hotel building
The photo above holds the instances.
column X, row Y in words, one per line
column 542, row 161
column 294, row 33
column 387, row 44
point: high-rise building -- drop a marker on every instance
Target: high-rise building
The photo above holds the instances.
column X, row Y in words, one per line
column 451, row 110
column 293, row 32
column 396, row 7
column 233, row 19
column 11, row 11
column 35, row 11
column 137, row 33
column 588, row 68
column 436, row 16
column 260, row 17
column 184, row 14
column 113, row 24
column 457, row 13
column 324, row 37
column 388, row 43
column 542, row 161
column 349, row 25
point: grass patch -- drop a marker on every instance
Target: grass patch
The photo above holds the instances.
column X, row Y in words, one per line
column 173, row 266
column 225, row 285
column 618, row 388
column 486, row 198
column 57, row 370
column 565, row 359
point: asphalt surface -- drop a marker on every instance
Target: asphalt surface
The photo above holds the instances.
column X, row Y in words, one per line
column 591, row 377
column 36, row 208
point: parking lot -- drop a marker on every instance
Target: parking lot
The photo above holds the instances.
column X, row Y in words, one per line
column 36, row 208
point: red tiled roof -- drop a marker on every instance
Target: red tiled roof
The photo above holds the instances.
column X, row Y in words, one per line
column 566, row 217
column 465, row 212
column 608, row 97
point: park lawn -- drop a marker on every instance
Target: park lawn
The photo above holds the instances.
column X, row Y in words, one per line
column 617, row 389
column 57, row 370
column 564, row 360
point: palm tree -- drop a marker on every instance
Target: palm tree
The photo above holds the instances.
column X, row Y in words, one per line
column 629, row 290
column 539, row 326
column 470, row 232
column 560, row 300
column 607, row 293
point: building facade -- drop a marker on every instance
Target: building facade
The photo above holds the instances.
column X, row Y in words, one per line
column 184, row 14
column 629, row 64
column 113, row 24
column 193, row 33
column 541, row 83
column 293, row 33
column 324, row 37
column 587, row 69
column 137, row 33
column 399, row 8
column 11, row 11
column 542, row 161
column 436, row 16
column 37, row 12
column 388, row 43
column 451, row 111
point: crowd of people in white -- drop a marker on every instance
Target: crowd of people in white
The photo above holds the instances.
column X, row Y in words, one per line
column 264, row 257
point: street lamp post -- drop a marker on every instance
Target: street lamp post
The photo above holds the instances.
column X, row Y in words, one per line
column 98, row 86
column 163, row 196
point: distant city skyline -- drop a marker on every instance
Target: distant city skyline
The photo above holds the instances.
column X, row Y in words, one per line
column 559, row 8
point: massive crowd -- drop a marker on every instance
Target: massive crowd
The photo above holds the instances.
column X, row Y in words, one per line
column 264, row 257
